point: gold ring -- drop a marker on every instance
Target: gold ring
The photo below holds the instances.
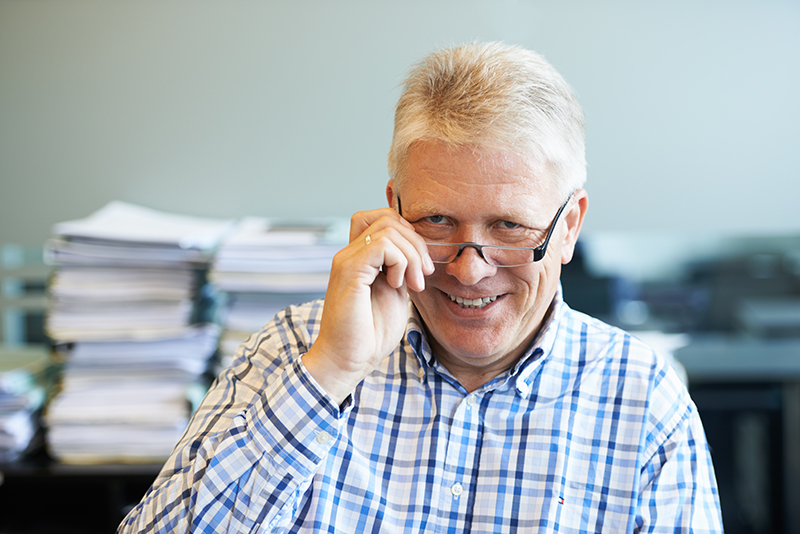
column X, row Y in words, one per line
column 368, row 239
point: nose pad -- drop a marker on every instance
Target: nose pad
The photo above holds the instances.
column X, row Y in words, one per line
column 470, row 267
column 474, row 246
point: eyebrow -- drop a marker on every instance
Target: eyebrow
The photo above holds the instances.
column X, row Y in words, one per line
column 421, row 207
column 512, row 217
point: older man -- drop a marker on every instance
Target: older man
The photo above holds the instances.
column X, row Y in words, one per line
column 445, row 386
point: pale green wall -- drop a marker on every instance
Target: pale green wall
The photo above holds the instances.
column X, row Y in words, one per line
column 230, row 108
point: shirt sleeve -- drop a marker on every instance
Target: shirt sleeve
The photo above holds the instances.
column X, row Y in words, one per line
column 251, row 449
column 678, row 489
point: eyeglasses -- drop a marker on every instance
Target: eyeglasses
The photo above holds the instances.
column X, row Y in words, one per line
column 498, row 256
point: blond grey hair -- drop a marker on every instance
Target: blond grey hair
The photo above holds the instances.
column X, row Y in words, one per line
column 496, row 97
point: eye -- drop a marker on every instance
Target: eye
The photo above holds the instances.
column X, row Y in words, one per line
column 434, row 227
column 434, row 219
column 510, row 233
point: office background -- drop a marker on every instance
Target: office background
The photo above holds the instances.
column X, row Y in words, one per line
column 284, row 109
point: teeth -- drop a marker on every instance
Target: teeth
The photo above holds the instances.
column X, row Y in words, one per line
column 471, row 303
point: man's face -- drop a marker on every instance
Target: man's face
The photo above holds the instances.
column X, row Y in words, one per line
column 491, row 198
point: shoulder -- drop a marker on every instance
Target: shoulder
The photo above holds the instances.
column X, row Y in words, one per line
column 587, row 340
column 597, row 352
column 281, row 342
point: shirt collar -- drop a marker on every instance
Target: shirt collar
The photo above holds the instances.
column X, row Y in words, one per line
column 415, row 335
column 540, row 349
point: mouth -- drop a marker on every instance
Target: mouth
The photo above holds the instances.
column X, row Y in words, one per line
column 472, row 303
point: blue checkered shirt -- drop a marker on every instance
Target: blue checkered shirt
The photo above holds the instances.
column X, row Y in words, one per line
column 590, row 432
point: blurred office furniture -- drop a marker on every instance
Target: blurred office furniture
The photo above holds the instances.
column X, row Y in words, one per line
column 23, row 279
column 747, row 391
column 41, row 496
column 24, row 351
column 24, row 373
column 593, row 294
column 756, row 293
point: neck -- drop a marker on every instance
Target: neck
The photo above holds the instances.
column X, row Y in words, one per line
column 474, row 376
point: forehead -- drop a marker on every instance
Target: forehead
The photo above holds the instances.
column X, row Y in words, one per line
column 475, row 180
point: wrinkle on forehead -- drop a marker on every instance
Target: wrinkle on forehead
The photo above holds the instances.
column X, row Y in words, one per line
column 505, row 177
column 490, row 161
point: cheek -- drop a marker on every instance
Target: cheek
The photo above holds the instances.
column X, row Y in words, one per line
column 531, row 278
column 539, row 285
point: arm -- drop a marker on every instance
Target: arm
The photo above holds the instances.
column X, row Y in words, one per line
column 252, row 448
column 678, row 486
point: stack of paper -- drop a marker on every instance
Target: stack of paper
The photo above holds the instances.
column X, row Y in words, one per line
column 123, row 314
column 21, row 396
column 266, row 265
column 111, row 303
column 127, row 400
column 126, row 234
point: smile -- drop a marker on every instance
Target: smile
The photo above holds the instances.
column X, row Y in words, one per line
column 472, row 303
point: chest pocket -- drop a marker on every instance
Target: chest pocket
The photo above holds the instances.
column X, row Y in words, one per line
column 590, row 500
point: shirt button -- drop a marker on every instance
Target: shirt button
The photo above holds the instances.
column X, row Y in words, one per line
column 456, row 489
column 323, row 438
column 471, row 400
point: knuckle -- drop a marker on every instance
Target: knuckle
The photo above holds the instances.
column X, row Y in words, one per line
column 358, row 217
column 339, row 258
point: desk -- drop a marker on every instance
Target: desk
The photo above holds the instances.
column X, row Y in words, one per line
column 39, row 495
column 753, row 380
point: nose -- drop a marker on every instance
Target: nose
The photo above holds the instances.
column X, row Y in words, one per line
column 469, row 267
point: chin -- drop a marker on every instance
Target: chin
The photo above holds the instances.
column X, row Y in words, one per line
column 477, row 345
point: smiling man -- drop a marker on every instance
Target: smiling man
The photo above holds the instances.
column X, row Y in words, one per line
column 444, row 385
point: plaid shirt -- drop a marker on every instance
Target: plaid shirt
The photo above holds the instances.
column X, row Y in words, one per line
column 589, row 432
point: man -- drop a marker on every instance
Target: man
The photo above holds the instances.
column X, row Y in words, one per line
column 445, row 386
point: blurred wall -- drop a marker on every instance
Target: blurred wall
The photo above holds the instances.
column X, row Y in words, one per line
column 282, row 108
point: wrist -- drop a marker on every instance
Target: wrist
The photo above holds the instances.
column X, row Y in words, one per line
column 336, row 382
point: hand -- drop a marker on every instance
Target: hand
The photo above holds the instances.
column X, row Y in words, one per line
column 366, row 305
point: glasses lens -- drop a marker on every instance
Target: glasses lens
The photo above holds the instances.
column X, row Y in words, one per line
column 442, row 253
column 507, row 257
column 504, row 257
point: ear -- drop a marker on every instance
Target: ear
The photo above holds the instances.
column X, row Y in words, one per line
column 574, row 219
column 390, row 194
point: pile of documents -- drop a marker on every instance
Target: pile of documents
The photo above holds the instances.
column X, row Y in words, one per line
column 114, row 302
column 125, row 319
column 128, row 400
column 22, row 393
column 265, row 265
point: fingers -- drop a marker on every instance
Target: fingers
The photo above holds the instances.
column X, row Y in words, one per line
column 403, row 253
column 366, row 304
column 390, row 244
column 400, row 259
column 362, row 220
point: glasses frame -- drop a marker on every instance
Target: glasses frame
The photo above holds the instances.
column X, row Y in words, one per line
column 538, row 252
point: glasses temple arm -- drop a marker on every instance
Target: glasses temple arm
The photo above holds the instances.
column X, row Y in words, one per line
column 538, row 252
